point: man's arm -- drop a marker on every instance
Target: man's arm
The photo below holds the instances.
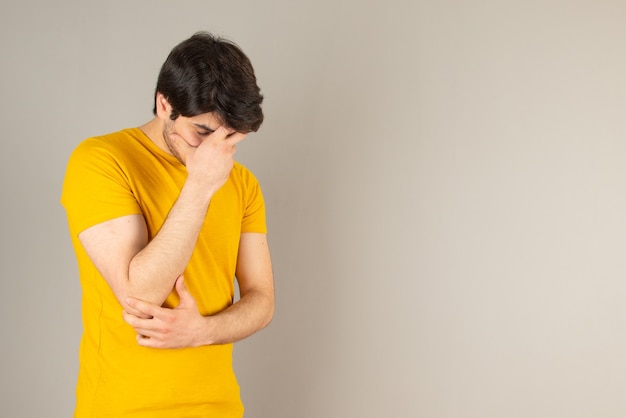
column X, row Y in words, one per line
column 120, row 250
column 184, row 326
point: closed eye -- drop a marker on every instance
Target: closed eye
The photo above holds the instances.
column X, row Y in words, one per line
column 203, row 130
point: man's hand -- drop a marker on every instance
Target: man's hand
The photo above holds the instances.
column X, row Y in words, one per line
column 168, row 328
column 210, row 162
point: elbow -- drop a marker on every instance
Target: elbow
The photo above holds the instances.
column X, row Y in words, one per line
column 262, row 307
column 269, row 313
column 128, row 290
column 268, row 319
column 147, row 287
column 124, row 296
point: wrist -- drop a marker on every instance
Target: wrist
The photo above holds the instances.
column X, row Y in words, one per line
column 206, row 334
column 196, row 192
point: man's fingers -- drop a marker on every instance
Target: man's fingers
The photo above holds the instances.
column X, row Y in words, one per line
column 149, row 342
column 186, row 299
column 137, row 313
column 181, row 289
column 136, row 322
column 180, row 284
column 145, row 328
column 145, row 340
column 222, row 133
column 236, row 138
column 143, row 307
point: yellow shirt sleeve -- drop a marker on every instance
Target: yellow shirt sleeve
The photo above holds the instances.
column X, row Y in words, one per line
column 254, row 215
column 95, row 188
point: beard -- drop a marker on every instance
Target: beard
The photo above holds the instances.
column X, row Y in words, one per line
column 167, row 130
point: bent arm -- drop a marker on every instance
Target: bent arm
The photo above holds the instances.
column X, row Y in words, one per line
column 184, row 326
column 131, row 266
column 119, row 248
column 255, row 309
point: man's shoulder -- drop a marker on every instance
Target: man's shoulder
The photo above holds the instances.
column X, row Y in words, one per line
column 111, row 141
column 104, row 154
column 243, row 173
column 116, row 146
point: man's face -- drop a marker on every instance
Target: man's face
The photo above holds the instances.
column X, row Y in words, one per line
column 193, row 130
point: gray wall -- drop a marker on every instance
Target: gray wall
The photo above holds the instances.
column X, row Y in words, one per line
column 445, row 183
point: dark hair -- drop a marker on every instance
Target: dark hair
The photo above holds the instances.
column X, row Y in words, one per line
column 205, row 74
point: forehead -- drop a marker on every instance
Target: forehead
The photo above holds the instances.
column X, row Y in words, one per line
column 210, row 121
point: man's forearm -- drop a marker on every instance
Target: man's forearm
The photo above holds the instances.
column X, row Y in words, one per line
column 154, row 269
column 253, row 312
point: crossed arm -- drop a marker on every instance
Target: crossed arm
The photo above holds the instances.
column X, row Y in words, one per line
column 131, row 265
column 142, row 274
column 185, row 327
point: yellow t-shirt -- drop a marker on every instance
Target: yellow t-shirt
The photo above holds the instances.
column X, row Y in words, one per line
column 125, row 173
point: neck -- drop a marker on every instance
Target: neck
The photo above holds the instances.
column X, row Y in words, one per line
column 154, row 131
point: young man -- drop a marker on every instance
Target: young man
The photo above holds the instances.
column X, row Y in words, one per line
column 162, row 220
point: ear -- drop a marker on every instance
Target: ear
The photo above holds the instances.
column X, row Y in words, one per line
column 163, row 107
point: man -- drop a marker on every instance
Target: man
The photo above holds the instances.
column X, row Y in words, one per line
column 162, row 220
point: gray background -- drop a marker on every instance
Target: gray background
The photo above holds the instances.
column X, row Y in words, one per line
column 445, row 183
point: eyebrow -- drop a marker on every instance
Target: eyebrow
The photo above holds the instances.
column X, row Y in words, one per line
column 206, row 128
